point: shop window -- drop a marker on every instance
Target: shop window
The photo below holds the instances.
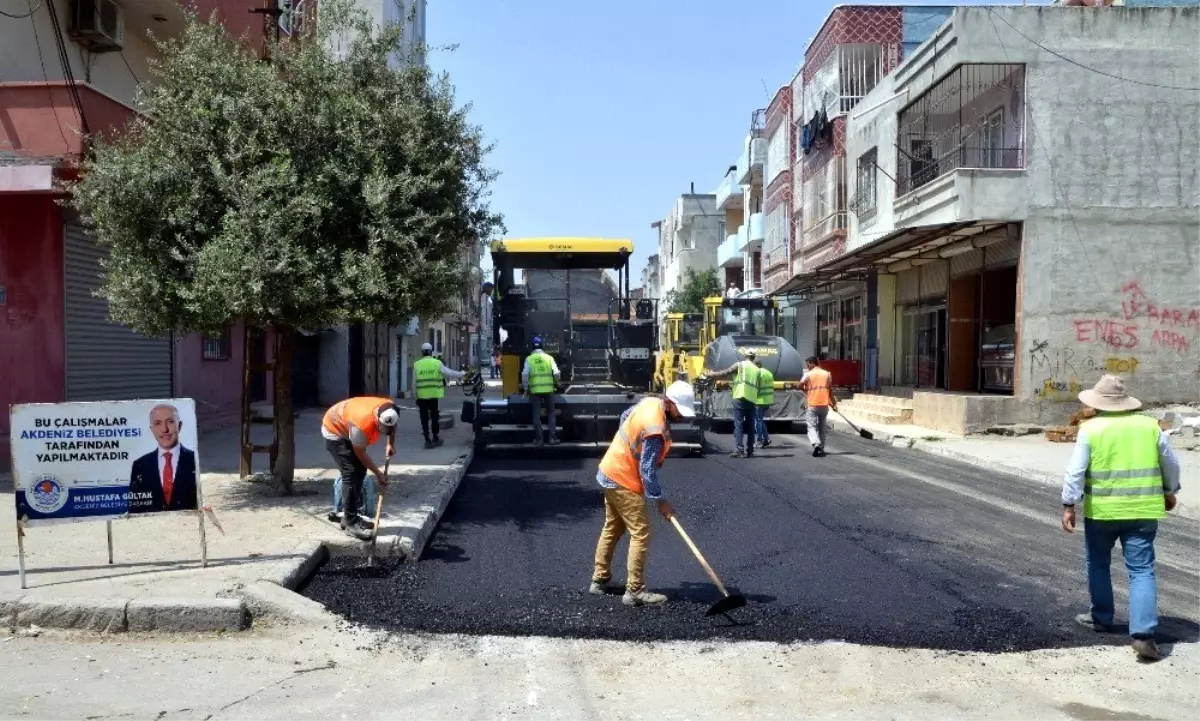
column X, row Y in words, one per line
column 829, row 337
column 852, row 329
column 216, row 346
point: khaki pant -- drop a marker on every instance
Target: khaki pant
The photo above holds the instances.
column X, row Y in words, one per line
column 815, row 417
column 623, row 511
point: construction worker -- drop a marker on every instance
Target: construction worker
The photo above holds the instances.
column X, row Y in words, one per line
column 629, row 476
column 1127, row 475
column 766, row 396
column 349, row 427
column 539, row 378
column 745, row 401
column 817, row 384
column 430, row 376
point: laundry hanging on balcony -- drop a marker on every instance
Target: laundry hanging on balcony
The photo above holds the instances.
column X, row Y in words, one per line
column 816, row 131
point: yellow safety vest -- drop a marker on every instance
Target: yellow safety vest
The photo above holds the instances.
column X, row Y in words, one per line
column 766, row 387
column 745, row 382
column 541, row 374
column 1124, row 481
column 428, row 372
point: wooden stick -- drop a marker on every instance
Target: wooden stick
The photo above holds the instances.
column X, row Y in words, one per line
column 699, row 557
column 378, row 513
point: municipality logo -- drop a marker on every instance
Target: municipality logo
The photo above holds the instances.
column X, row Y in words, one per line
column 47, row 494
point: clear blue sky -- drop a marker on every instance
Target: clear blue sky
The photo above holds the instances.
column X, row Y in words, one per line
column 604, row 112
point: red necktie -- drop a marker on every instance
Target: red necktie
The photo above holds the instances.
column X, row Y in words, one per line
column 168, row 476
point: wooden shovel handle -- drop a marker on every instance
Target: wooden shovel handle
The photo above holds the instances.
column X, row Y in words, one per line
column 379, row 507
column 699, row 556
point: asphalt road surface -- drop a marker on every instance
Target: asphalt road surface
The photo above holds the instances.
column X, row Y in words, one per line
column 871, row 544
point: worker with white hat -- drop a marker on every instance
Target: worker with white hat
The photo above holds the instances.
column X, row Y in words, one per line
column 629, row 476
column 349, row 428
column 429, row 375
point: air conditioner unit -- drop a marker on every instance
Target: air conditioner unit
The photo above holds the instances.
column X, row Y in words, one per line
column 98, row 25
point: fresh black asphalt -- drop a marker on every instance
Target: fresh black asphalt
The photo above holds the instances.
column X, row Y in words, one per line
column 871, row 544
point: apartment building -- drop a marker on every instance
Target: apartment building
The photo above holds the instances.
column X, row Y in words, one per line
column 739, row 196
column 687, row 240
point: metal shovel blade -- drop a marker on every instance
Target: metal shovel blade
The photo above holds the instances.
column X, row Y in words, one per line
column 727, row 604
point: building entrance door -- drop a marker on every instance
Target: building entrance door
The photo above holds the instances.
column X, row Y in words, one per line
column 930, row 327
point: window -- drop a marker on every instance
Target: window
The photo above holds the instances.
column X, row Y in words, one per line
column 993, row 139
column 721, row 234
column 829, row 337
column 216, row 346
column 864, row 194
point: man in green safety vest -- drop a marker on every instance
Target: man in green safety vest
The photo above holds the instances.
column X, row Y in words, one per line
column 1127, row 475
column 429, row 376
column 766, row 396
column 539, row 378
column 745, row 402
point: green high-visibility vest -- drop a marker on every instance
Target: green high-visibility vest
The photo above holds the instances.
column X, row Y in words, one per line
column 745, row 382
column 541, row 374
column 766, row 387
column 1124, row 481
column 428, row 372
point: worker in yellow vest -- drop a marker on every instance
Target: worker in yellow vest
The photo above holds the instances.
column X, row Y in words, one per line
column 539, row 378
column 349, row 428
column 817, row 384
column 766, row 396
column 745, row 401
column 1127, row 475
column 629, row 476
column 429, row 376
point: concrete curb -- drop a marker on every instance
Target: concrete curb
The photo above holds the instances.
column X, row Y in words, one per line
column 117, row 615
column 291, row 573
column 266, row 599
column 416, row 527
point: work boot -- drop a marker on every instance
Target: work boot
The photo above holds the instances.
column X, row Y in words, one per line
column 1085, row 620
column 428, row 443
column 1146, row 649
column 765, row 443
column 538, row 442
column 643, row 598
column 334, row 517
column 739, row 453
column 554, row 441
column 601, row 588
column 354, row 529
column 438, row 442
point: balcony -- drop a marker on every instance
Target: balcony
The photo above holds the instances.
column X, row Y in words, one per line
column 821, row 230
column 729, row 253
column 729, row 192
column 755, row 234
column 750, row 164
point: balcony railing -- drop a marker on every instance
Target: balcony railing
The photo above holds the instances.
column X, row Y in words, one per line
column 754, row 156
column 756, row 232
column 729, row 253
column 972, row 118
column 729, row 192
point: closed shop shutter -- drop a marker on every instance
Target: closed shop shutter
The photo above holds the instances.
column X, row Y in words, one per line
column 935, row 279
column 806, row 329
column 908, row 284
column 1002, row 254
column 105, row 360
column 966, row 264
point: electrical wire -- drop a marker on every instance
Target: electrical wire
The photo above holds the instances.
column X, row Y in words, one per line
column 129, row 67
column 1089, row 68
column 37, row 43
column 68, row 73
column 26, row 15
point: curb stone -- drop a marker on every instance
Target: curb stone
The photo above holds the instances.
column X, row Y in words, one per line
column 291, row 573
column 186, row 614
column 8, row 611
column 268, row 599
column 99, row 615
column 411, row 539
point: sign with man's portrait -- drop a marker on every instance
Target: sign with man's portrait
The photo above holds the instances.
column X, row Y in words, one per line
column 98, row 461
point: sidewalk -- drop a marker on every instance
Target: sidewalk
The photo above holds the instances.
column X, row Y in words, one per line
column 1030, row 456
column 265, row 536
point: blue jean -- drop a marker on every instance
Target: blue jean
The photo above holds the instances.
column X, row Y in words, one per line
column 368, row 495
column 744, row 413
column 760, row 424
column 1137, row 543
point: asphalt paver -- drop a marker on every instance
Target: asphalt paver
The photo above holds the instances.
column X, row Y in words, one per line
column 870, row 544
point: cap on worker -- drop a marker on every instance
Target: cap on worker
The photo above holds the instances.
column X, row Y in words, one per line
column 537, row 341
column 681, row 394
column 750, row 353
column 388, row 416
column 1109, row 395
column 426, row 347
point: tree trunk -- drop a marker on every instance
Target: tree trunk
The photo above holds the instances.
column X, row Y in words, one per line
column 285, row 420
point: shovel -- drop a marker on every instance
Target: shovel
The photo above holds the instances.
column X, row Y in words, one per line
column 862, row 434
column 730, row 601
column 378, row 513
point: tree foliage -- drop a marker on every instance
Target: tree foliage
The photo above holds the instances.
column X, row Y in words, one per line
column 329, row 185
column 697, row 286
column 304, row 192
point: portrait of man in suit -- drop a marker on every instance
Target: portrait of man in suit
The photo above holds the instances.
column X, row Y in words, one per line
column 164, row 479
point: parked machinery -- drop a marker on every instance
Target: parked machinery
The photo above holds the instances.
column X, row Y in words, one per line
column 749, row 322
column 602, row 340
column 681, row 357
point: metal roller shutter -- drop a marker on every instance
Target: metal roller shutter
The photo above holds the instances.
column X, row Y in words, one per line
column 966, row 264
column 908, row 286
column 105, row 361
column 935, row 279
column 806, row 329
column 1002, row 254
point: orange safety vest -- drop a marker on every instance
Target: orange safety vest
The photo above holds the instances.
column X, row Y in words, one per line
column 620, row 462
column 359, row 411
column 819, row 388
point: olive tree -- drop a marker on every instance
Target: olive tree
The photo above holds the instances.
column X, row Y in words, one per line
column 323, row 187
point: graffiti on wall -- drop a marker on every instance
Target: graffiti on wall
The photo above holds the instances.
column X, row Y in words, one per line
column 1113, row 344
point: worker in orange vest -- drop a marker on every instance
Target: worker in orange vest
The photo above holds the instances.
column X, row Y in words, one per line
column 818, row 387
column 348, row 428
column 629, row 476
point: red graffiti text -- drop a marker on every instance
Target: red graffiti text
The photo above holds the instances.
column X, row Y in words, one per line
column 1114, row 333
column 1136, row 304
column 1170, row 339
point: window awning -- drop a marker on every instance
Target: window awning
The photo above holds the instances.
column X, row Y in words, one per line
column 922, row 241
